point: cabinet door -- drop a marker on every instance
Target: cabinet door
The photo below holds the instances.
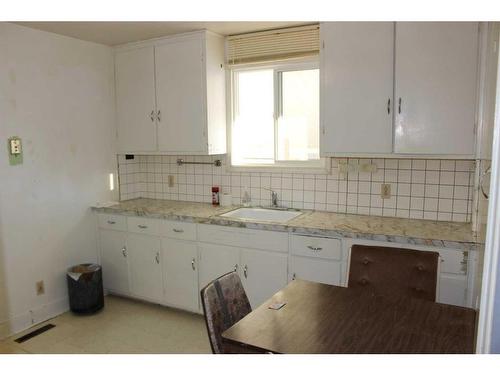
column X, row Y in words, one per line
column 215, row 261
column 180, row 96
column 452, row 289
column 145, row 266
column 135, row 100
column 356, row 87
column 180, row 274
column 435, row 87
column 263, row 274
column 317, row 270
column 114, row 261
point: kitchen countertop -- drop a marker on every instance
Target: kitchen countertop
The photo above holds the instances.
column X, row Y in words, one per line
column 397, row 230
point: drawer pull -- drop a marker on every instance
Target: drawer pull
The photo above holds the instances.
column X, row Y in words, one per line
column 124, row 251
column 157, row 258
column 314, row 248
column 193, row 264
column 111, row 222
column 142, row 226
column 178, row 230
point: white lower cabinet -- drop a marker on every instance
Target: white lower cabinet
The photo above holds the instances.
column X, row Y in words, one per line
column 262, row 273
column 318, row 259
column 114, row 260
column 318, row 270
column 180, row 273
column 215, row 261
column 169, row 262
column 144, row 253
column 260, row 256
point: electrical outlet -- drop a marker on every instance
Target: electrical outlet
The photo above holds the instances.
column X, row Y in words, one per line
column 171, row 180
column 15, row 151
column 40, row 288
column 385, row 191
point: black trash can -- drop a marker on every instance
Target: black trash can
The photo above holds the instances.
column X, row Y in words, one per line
column 86, row 295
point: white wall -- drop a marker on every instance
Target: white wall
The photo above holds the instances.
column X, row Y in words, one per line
column 56, row 93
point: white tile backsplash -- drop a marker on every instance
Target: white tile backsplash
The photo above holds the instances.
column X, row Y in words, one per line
column 421, row 189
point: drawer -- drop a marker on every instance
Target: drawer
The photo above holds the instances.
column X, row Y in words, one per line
column 317, row 270
column 453, row 261
column 115, row 222
column 317, row 247
column 143, row 225
column 240, row 237
column 178, row 230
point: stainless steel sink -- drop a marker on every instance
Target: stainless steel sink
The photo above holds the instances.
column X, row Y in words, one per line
column 262, row 214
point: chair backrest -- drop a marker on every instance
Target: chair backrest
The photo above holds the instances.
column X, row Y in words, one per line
column 224, row 303
column 394, row 272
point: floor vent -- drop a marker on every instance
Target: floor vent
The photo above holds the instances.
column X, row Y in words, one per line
column 36, row 332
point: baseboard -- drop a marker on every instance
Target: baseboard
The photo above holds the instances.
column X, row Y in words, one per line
column 33, row 317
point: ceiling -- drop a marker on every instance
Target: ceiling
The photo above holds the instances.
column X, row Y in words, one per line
column 114, row 33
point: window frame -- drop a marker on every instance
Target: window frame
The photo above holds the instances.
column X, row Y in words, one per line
column 322, row 166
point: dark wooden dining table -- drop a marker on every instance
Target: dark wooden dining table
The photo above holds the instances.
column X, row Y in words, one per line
column 321, row 318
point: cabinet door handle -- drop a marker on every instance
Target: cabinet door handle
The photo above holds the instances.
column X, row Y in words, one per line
column 158, row 116
column 193, row 264
column 389, row 106
column 111, row 222
column 124, row 251
column 399, row 106
column 235, row 267
column 142, row 226
column 157, row 258
column 178, row 230
column 245, row 271
column 314, row 248
column 152, row 116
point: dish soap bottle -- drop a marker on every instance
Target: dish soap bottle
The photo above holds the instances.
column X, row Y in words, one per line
column 215, row 196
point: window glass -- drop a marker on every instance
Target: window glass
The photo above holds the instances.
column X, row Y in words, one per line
column 276, row 117
column 298, row 124
column 253, row 127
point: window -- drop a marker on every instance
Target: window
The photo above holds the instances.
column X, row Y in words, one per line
column 275, row 119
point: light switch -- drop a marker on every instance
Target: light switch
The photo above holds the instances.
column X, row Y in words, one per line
column 15, row 151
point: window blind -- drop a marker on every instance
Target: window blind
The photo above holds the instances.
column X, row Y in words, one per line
column 273, row 45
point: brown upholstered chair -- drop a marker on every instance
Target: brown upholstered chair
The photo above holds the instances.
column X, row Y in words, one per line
column 224, row 303
column 394, row 272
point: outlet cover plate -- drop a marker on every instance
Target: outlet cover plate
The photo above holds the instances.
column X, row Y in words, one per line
column 15, row 158
column 385, row 191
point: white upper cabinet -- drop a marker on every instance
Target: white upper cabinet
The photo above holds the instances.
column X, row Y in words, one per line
column 356, row 87
column 135, row 100
column 398, row 88
column 435, row 87
column 187, row 77
column 179, row 95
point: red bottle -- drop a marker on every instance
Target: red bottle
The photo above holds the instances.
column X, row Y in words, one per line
column 215, row 195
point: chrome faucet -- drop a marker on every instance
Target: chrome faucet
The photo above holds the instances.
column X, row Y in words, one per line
column 274, row 198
